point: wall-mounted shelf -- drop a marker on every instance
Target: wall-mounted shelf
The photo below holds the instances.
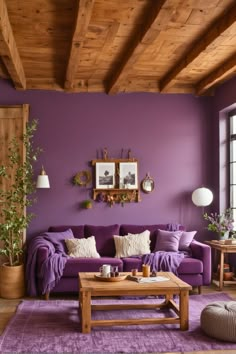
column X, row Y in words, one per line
column 115, row 195
column 116, row 181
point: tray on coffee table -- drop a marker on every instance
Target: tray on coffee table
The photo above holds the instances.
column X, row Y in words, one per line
column 110, row 279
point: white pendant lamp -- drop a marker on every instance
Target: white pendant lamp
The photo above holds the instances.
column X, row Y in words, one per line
column 202, row 197
column 43, row 180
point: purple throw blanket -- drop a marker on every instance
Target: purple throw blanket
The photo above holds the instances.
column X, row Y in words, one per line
column 163, row 261
column 51, row 269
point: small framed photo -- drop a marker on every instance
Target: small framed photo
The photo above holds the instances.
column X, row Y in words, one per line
column 105, row 175
column 128, row 175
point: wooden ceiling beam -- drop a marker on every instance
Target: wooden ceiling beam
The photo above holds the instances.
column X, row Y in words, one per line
column 137, row 46
column 8, row 50
column 84, row 13
column 223, row 72
column 218, row 27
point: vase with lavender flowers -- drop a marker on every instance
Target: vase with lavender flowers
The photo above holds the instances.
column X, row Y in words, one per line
column 222, row 224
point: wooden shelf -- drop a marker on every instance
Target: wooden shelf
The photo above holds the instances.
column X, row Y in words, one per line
column 116, row 195
column 225, row 282
column 116, row 160
column 120, row 174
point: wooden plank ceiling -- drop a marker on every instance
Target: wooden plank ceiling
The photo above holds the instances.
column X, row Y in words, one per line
column 113, row 46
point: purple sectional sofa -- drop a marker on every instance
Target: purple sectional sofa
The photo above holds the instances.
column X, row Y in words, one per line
column 194, row 269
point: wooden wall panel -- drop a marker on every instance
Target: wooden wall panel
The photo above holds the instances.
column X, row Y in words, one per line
column 12, row 124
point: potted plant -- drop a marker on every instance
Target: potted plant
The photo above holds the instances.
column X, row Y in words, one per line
column 87, row 204
column 14, row 199
column 220, row 223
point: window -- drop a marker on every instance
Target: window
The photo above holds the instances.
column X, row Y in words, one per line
column 232, row 161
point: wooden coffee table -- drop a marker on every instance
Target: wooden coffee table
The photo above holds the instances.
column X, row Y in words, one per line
column 91, row 287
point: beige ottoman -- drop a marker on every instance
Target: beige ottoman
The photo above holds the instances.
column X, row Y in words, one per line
column 218, row 320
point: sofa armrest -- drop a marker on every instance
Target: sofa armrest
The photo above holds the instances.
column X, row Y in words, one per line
column 42, row 254
column 203, row 253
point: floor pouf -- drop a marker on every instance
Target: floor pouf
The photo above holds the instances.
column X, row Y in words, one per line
column 218, row 320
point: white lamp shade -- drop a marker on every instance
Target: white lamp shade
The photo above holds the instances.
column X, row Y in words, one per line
column 42, row 182
column 202, row 197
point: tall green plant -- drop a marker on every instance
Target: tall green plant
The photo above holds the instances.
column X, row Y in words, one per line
column 18, row 196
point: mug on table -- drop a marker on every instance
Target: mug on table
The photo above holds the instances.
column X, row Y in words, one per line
column 105, row 270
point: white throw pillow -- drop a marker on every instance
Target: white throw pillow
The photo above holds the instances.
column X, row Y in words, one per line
column 132, row 244
column 82, row 247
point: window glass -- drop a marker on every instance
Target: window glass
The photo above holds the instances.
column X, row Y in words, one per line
column 233, row 124
column 232, row 162
column 232, row 150
column 233, row 173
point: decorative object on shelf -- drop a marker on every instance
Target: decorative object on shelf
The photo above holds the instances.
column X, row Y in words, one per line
column 116, row 181
column 220, row 223
column 147, row 184
column 87, row 204
column 42, row 180
column 82, row 178
column 101, row 197
column 105, row 175
column 202, row 197
column 128, row 173
column 105, row 154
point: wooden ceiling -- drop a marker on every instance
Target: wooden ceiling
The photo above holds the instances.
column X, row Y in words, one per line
column 112, row 46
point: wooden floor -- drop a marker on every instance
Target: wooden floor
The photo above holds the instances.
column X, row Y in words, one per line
column 8, row 308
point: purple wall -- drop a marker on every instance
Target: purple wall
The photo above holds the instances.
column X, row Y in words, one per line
column 168, row 134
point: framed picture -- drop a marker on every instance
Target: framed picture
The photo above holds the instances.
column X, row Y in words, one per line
column 105, row 175
column 128, row 175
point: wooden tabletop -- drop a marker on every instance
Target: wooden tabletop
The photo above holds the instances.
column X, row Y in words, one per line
column 172, row 285
column 222, row 246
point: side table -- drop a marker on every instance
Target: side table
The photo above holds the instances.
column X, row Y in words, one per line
column 223, row 249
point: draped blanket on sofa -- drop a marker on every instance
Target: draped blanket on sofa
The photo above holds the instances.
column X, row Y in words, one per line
column 163, row 261
column 51, row 269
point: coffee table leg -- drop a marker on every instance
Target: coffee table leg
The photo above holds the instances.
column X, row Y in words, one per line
column 85, row 311
column 183, row 309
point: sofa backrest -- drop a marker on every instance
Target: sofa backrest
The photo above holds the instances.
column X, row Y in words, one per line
column 78, row 231
column 137, row 229
column 104, row 238
column 104, row 234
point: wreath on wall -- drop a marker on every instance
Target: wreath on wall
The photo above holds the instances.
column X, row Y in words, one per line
column 82, row 178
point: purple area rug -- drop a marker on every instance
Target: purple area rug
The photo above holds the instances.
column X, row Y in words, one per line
column 52, row 326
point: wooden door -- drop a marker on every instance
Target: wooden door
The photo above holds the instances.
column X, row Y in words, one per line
column 12, row 124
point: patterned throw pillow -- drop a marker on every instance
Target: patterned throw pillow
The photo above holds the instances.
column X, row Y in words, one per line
column 132, row 244
column 82, row 247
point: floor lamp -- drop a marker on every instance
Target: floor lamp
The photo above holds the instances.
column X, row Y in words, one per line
column 202, row 197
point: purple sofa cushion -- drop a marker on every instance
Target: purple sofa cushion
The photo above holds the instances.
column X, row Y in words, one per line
column 104, row 238
column 190, row 266
column 130, row 263
column 137, row 229
column 75, row 265
column 185, row 240
column 167, row 241
column 78, row 231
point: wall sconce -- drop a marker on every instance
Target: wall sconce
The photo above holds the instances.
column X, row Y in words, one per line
column 202, row 197
column 42, row 180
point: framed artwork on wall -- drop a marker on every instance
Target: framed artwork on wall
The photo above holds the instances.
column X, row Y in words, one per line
column 128, row 175
column 105, row 175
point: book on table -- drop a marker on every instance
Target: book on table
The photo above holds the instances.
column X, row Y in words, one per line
column 140, row 279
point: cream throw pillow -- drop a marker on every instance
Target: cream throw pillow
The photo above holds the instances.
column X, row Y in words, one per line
column 82, row 247
column 132, row 244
